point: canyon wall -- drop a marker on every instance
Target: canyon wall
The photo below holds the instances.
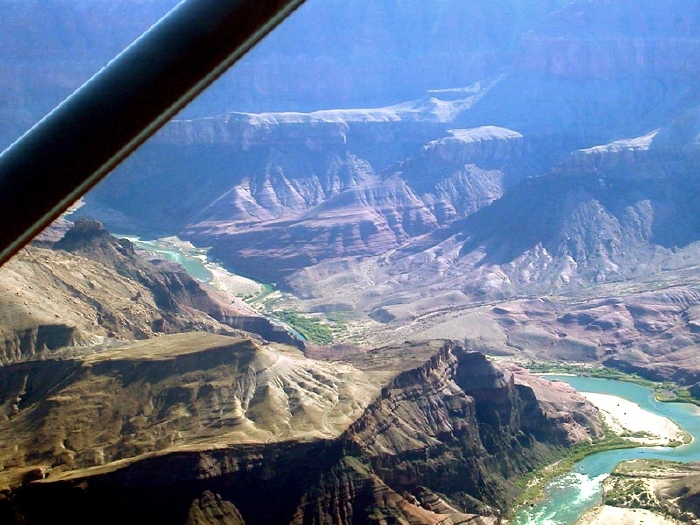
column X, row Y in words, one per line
column 442, row 434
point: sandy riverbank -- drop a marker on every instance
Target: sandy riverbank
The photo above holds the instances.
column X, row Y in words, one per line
column 629, row 420
column 607, row 515
column 230, row 284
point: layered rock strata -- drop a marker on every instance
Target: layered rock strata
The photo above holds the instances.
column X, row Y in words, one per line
column 199, row 428
column 93, row 289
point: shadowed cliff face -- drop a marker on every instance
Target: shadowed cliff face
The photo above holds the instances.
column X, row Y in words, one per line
column 51, row 47
column 599, row 71
column 239, row 422
column 572, row 167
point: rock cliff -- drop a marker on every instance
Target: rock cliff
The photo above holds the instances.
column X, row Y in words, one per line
column 49, row 48
column 419, row 433
column 94, row 289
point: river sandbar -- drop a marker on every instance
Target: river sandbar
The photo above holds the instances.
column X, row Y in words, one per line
column 231, row 284
column 605, row 515
column 631, row 421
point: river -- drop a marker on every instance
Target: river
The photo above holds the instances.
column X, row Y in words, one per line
column 570, row 495
column 174, row 250
column 194, row 261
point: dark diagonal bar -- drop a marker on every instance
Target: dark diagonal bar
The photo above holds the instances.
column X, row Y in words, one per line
column 84, row 138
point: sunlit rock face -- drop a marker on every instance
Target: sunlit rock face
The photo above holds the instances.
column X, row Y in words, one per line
column 89, row 288
column 48, row 49
column 255, row 432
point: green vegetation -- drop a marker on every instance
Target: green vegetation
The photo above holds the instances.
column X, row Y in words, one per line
column 316, row 328
column 313, row 329
column 631, row 484
column 631, row 493
column 339, row 317
column 665, row 391
column 267, row 289
column 533, row 484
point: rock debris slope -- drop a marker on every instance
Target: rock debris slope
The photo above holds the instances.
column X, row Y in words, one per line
column 198, row 428
column 93, row 289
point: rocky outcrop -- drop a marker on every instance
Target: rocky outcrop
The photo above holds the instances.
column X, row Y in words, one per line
column 96, row 290
column 663, row 487
column 624, row 210
column 410, row 435
column 34, row 340
column 460, row 406
column 172, row 288
column 170, row 392
column 211, row 509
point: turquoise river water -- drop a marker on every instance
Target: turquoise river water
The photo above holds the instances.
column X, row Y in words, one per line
column 572, row 494
column 193, row 264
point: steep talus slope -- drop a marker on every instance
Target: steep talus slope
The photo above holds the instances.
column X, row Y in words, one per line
column 249, row 168
column 413, row 435
column 172, row 288
column 624, row 211
column 171, row 393
column 94, row 289
column 297, row 189
column 571, row 174
column 419, row 433
column 620, row 211
column 649, row 328
column 450, row 178
column 226, row 187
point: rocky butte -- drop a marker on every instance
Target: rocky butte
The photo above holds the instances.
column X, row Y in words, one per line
column 525, row 189
column 563, row 186
column 197, row 428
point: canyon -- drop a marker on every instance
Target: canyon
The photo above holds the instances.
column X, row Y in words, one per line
column 516, row 181
column 421, row 432
column 96, row 425
column 564, row 184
